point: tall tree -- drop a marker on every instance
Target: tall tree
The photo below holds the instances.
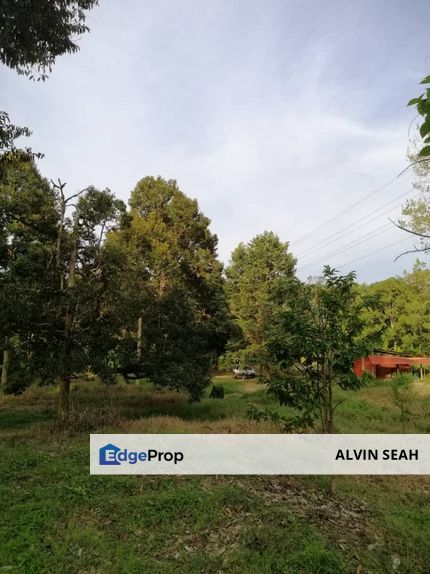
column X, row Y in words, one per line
column 28, row 229
column 80, row 332
column 173, row 305
column 401, row 311
column 258, row 281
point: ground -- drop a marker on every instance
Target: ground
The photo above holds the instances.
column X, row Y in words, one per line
column 56, row 518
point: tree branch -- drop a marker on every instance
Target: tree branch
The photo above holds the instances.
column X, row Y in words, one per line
column 409, row 230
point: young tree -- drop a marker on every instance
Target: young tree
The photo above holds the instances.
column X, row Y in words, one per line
column 315, row 346
column 403, row 397
column 258, row 282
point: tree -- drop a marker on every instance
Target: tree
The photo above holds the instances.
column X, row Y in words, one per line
column 28, row 229
column 315, row 345
column 381, row 319
column 422, row 104
column 258, row 281
column 416, row 212
column 400, row 311
column 54, row 286
column 403, row 397
column 81, row 324
column 174, row 314
column 34, row 33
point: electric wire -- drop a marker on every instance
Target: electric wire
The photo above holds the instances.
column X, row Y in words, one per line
column 373, row 192
column 353, row 226
column 373, row 253
column 378, row 231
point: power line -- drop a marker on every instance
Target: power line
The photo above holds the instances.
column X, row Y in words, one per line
column 374, row 252
column 352, row 227
column 373, row 192
column 379, row 231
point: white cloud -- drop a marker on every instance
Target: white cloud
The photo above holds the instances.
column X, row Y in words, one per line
column 273, row 119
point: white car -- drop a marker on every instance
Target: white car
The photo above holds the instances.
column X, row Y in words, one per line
column 246, row 373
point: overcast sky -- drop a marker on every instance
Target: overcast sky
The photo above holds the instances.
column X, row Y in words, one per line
column 275, row 115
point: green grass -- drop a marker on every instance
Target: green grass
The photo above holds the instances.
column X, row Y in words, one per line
column 56, row 518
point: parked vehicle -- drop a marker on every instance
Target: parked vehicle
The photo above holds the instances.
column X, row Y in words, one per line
column 245, row 373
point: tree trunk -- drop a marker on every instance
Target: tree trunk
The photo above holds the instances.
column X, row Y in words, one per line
column 5, row 365
column 139, row 339
column 330, row 422
column 64, row 398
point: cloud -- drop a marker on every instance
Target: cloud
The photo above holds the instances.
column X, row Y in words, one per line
column 273, row 119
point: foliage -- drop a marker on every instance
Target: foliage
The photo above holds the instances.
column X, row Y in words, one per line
column 258, row 281
column 27, row 239
column 400, row 311
column 416, row 211
column 403, row 397
column 422, row 104
column 9, row 154
column 52, row 281
column 35, row 32
column 32, row 35
column 315, row 345
column 169, row 278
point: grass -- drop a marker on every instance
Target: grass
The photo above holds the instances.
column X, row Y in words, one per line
column 56, row 518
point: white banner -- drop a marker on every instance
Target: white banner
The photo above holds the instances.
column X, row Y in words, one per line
column 161, row 454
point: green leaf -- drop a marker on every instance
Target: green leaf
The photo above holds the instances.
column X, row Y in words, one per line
column 421, row 107
column 425, row 151
column 426, row 80
column 415, row 101
column 425, row 128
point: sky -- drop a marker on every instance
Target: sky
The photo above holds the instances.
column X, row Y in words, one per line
column 282, row 115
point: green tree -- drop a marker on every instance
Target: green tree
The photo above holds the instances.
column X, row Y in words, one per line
column 175, row 318
column 403, row 397
column 28, row 229
column 258, row 282
column 32, row 34
column 54, row 286
column 382, row 317
column 401, row 311
column 35, row 32
column 315, row 345
column 82, row 325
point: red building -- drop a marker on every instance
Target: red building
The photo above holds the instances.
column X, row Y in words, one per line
column 383, row 364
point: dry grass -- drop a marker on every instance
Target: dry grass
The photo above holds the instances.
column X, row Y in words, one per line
column 171, row 424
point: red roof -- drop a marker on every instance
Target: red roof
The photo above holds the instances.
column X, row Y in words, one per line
column 396, row 361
